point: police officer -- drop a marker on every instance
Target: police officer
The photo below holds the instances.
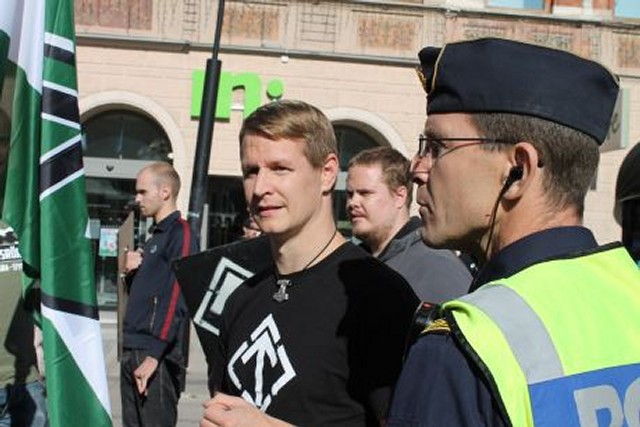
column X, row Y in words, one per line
column 550, row 334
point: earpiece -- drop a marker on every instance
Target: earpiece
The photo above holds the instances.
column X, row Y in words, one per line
column 515, row 174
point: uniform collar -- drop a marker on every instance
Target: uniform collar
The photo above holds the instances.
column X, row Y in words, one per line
column 165, row 223
column 535, row 248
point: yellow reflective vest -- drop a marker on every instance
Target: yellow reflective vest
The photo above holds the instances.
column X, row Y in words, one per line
column 559, row 341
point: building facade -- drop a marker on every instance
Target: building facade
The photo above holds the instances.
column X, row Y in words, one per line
column 141, row 71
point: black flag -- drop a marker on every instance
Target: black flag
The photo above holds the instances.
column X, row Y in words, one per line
column 208, row 278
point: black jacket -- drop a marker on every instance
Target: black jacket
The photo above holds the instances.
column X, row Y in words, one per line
column 156, row 312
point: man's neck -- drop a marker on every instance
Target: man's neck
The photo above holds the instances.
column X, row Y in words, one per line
column 164, row 212
column 378, row 245
column 308, row 247
column 515, row 227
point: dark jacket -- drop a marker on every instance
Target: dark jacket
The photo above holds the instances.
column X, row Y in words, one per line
column 436, row 275
column 440, row 384
column 156, row 315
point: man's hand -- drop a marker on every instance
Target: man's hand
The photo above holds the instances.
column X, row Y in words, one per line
column 133, row 260
column 230, row 411
column 144, row 372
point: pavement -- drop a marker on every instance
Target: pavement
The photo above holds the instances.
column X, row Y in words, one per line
column 190, row 405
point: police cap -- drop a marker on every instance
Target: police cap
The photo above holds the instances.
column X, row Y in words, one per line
column 504, row 76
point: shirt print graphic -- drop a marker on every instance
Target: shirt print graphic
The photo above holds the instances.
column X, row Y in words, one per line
column 260, row 367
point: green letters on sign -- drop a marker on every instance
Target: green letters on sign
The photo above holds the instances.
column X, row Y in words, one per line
column 229, row 82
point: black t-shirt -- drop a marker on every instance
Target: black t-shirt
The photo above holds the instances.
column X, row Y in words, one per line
column 330, row 354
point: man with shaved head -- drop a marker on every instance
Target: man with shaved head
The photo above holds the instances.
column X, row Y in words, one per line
column 152, row 363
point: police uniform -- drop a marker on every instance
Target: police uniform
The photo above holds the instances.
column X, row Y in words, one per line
column 445, row 382
column 549, row 336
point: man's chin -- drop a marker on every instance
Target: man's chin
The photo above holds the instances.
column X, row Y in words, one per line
column 431, row 239
column 359, row 234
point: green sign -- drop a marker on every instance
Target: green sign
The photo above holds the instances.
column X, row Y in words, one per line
column 229, row 82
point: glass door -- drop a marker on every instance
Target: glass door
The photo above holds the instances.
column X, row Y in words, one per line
column 109, row 203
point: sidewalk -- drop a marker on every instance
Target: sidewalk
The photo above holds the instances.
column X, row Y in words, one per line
column 190, row 406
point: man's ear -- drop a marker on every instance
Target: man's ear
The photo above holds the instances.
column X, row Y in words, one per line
column 330, row 171
column 401, row 193
column 523, row 167
column 165, row 191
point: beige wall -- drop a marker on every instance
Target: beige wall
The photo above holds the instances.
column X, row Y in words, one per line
column 354, row 60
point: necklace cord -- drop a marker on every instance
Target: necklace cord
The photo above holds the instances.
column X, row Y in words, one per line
column 282, row 295
column 324, row 248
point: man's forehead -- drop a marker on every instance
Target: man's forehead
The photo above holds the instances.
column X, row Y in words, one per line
column 267, row 152
column 367, row 175
column 370, row 168
column 436, row 124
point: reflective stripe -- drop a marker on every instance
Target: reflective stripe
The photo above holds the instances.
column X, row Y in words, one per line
column 526, row 334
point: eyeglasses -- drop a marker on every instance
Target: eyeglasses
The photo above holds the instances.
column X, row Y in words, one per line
column 435, row 148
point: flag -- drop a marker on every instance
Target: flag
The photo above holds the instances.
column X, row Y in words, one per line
column 45, row 203
column 208, row 278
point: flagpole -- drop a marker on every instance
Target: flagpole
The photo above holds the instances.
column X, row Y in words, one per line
column 205, row 132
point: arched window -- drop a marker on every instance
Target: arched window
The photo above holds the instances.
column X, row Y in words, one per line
column 117, row 144
column 351, row 141
column 122, row 134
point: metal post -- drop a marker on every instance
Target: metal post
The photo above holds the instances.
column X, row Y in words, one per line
column 205, row 130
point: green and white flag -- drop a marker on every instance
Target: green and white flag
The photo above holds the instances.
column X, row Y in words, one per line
column 45, row 203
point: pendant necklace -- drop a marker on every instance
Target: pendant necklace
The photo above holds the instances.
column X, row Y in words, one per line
column 281, row 295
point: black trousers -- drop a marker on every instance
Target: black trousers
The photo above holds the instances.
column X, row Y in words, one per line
column 160, row 406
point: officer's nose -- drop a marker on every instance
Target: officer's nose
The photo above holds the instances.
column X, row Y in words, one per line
column 420, row 168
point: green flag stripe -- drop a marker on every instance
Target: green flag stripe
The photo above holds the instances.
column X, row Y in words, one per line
column 20, row 206
column 76, row 139
column 55, row 134
column 60, row 120
column 60, row 88
column 66, row 248
column 59, row 48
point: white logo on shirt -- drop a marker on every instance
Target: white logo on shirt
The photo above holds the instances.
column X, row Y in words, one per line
column 226, row 279
column 264, row 349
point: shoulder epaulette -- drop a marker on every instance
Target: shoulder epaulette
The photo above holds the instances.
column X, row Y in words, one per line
column 438, row 326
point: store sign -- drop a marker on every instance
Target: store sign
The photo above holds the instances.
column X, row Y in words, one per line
column 250, row 83
column 10, row 259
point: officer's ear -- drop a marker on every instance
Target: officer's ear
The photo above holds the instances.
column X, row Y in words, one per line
column 524, row 166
